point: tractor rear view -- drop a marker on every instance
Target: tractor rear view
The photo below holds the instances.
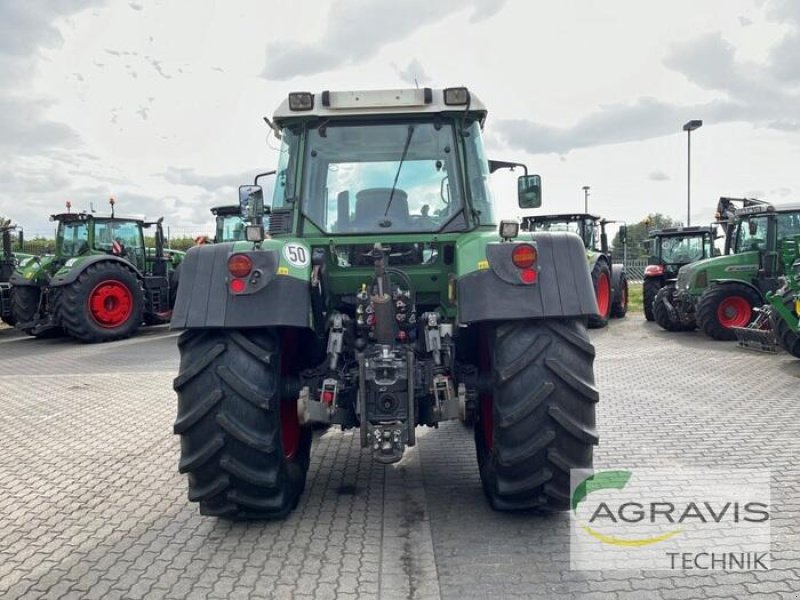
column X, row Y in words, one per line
column 608, row 278
column 101, row 284
column 387, row 296
column 670, row 249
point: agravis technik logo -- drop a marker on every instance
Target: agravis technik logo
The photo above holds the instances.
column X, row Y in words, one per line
column 667, row 519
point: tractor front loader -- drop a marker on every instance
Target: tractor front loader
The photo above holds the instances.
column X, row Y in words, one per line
column 387, row 296
column 101, row 284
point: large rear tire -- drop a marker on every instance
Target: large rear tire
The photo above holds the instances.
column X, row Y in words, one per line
column 24, row 305
column 601, row 282
column 661, row 314
column 540, row 420
column 651, row 287
column 244, row 450
column 104, row 303
column 620, row 307
column 722, row 307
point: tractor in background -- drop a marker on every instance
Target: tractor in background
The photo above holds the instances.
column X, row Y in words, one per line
column 608, row 278
column 720, row 294
column 387, row 296
column 669, row 249
column 101, row 283
column 8, row 262
column 776, row 323
column 229, row 223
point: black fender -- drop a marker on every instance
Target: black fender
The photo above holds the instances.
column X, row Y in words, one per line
column 563, row 287
column 717, row 282
column 62, row 280
column 204, row 300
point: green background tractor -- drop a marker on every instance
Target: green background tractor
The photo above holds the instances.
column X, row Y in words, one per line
column 8, row 262
column 388, row 295
column 608, row 278
column 669, row 250
column 229, row 223
column 101, row 284
column 719, row 294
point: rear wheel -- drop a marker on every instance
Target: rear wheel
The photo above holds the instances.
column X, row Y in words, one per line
column 540, row 420
column 24, row 305
column 651, row 287
column 620, row 306
column 244, row 450
column 723, row 307
column 662, row 315
column 601, row 281
column 104, row 303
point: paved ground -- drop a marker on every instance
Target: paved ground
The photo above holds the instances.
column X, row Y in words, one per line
column 91, row 505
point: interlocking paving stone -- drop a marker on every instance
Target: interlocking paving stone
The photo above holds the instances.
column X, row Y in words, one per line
column 92, row 505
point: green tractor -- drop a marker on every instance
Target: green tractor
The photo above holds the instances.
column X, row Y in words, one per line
column 101, row 283
column 386, row 296
column 776, row 323
column 608, row 278
column 669, row 250
column 720, row 294
column 8, row 262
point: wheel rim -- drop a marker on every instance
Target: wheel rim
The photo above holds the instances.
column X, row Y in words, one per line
column 110, row 304
column 603, row 294
column 734, row 311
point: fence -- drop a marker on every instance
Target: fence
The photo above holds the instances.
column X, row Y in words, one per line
column 634, row 269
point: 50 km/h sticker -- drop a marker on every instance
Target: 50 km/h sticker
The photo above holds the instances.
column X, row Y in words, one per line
column 297, row 255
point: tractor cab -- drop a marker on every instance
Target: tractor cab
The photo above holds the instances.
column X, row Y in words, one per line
column 671, row 248
column 229, row 223
column 82, row 234
column 590, row 228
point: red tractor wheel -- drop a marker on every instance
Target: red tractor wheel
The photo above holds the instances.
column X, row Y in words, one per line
column 601, row 280
column 104, row 303
column 722, row 307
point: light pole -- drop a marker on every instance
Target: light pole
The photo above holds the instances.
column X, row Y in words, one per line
column 586, row 189
column 689, row 128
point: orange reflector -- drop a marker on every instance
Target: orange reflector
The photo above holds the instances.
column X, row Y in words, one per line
column 238, row 285
column 528, row 275
column 523, row 256
column 240, row 265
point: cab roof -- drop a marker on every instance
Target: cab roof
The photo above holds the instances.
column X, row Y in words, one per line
column 228, row 209
column 372, row 103
column 676, row 231
column 768, row 208
column 563, row 217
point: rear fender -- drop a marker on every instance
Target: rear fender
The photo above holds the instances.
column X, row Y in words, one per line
column 73, row 268
column 278, row 296
column 563, row 285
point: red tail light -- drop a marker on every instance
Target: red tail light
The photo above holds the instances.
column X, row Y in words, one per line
column 238, row 285
column 653, row 270
column 523, row 256
column 240, row 265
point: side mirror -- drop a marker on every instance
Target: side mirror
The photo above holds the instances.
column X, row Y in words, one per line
column 529, row 191
column 251, row 202
column 752, row 227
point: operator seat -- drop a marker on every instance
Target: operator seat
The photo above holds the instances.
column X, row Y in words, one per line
column 371, row 206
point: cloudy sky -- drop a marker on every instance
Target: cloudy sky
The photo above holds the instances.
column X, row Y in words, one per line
column 159, row 102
